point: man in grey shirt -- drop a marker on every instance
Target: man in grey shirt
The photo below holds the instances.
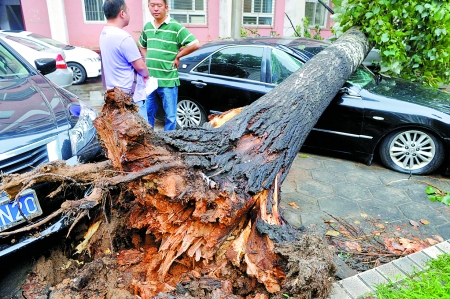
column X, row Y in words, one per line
column 120, row 55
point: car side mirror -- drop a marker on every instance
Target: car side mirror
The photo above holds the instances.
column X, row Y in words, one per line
column 45, row 65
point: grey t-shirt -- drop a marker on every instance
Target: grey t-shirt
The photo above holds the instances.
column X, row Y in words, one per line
column 118, row 50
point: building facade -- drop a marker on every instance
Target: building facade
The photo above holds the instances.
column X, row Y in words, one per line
column 79, row 22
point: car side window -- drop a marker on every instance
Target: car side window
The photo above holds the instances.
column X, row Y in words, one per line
column 203, row 67
column 238, row 62
column 282, row 65
column 10, row 66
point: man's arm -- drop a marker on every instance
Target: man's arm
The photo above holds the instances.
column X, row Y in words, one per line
column 185, row 51
column 140, row 67
column 143, row 52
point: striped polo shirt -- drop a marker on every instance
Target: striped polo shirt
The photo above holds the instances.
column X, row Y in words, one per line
column 162, row 46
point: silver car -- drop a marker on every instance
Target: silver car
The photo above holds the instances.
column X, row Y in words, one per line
column 39, row 122
column 62, row 76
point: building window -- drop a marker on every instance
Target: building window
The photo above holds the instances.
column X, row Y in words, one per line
column 93, row 10
column 316, row 13
column 188, row 11
column 258, row 12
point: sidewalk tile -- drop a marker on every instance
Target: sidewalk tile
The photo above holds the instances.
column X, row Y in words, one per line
column 337, row 292
column 407, row 265
column 419, row 258
column 432, row 251
column 355, row 286
column 391, row 272
column 444, row 246
column 372, row 278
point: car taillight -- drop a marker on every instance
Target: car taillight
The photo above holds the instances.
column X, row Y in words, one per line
column 60, row 62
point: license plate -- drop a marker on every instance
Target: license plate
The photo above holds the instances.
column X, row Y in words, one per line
column 9, row 210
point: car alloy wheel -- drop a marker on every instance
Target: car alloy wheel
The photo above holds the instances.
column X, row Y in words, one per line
column 79, row 74
column 189, row 114
column 412, row 151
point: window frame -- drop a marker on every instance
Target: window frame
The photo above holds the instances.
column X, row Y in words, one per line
column 325, row 20
column 189, row 13
column 258, row 15
column 89, row 21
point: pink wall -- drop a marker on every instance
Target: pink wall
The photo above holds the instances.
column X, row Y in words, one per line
column 80, row 34
column 35, row 16
column 210, row 31
column 88, row 34
column 84, row 34
column 277, row 28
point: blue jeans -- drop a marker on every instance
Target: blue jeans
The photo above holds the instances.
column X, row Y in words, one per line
column 169, row 97
column 142, row 109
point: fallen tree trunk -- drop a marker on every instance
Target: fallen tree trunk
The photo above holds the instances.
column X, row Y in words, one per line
column 205, row 200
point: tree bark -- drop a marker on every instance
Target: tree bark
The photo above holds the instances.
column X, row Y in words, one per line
column 206, row 199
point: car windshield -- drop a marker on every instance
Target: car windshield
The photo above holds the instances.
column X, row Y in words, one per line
column 10, row 67
column 362, row 77
column 50, row 41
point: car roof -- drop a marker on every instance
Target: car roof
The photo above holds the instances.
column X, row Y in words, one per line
column 305, row 48
column 273, row 41
column 30, row 54
column 293, row 42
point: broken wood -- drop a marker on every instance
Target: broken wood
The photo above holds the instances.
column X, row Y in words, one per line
column 205, row 201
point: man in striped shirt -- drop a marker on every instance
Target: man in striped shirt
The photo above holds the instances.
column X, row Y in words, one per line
column 163, row 42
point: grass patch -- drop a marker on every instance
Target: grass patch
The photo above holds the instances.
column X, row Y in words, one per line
column 434, row 282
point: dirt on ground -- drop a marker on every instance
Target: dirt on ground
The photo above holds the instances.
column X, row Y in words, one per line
column 103, row 259
column 110, row 265
column 364, row 246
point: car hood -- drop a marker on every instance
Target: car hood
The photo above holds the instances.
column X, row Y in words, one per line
column 30, row 110
column 403, row 90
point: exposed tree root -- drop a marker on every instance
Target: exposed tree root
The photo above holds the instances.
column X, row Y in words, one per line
column 195, row 212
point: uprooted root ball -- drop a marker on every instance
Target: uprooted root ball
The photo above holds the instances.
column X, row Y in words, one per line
column 309, row 266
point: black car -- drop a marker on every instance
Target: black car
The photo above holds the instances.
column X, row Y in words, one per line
column 407, row 124
column 39, row 122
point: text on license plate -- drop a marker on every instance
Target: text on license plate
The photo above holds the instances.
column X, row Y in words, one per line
column 9, row 210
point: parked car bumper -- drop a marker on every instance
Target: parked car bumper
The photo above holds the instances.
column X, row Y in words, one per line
column 47, row 149
column 93, row 68
column 61, row 77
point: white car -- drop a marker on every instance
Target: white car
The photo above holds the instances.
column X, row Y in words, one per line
column 62, row 76
column 84, row 63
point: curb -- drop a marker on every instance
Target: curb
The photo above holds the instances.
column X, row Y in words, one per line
column 358, row 285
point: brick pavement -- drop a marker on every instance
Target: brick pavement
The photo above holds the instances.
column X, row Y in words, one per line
column 346, row 189
column 321, row 186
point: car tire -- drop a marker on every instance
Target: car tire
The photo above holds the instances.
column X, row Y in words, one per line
column 79, row 74
column 412, row 151
column 189, row 113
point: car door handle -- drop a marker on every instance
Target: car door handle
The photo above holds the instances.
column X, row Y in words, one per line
column 199, row 84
